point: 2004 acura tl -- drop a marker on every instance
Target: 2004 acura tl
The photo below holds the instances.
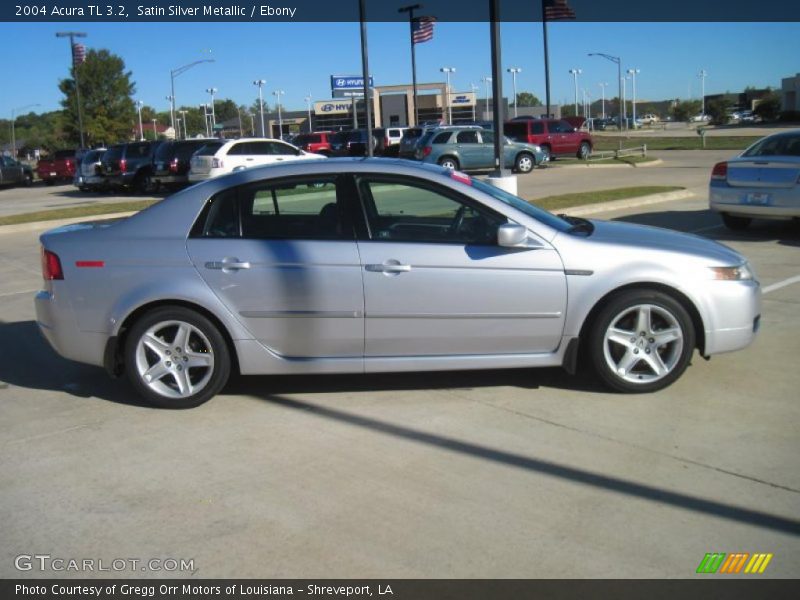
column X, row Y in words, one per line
column 370, row 265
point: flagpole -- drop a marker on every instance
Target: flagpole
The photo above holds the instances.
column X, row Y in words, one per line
column 546, row 61
column 410, row 10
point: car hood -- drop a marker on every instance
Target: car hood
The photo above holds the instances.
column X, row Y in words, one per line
column 640, row 237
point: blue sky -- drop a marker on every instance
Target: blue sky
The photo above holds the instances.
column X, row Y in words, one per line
column 299, row 57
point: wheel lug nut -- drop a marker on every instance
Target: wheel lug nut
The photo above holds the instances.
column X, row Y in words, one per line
column 642, row 333
column 180, row 368
column 168, row 363
column 646, row 352
column 168, row 353
column 636, row 351
column 185, row 359
column 633, row 339
column 178, row 349
column 651, row 340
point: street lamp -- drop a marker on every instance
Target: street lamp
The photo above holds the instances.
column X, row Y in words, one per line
column 139, row 105
column 308, row 104
column 633, row 73
column 514, row 71
column 171, row 101
column 211, row 91
column 252, row 124
column 155, row 135
column 618, row 61
column 625, row 99
column 487, row 81
column 278, row 94
column 260, row 83
column 183, row 114
column 474, row 89
column 575, row 73
column 72, row 35
column 177, row 128
column 205, row 118
column 13, row 133
column 603, row 98
column 702, row 75
column 172, row 75
column 447, row 71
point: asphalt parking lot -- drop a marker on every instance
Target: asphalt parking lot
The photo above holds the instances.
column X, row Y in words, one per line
column 498, row 474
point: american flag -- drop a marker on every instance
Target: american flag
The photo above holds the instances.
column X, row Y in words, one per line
column 78, row 54
column 556, row 10
column 422, row 29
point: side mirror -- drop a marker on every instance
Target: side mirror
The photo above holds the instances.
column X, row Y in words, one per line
column 511, row 235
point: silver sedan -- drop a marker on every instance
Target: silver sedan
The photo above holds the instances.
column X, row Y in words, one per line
column 762, row 182
column 376, row 265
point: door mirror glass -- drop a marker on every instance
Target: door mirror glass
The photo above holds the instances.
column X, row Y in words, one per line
column 510, row 235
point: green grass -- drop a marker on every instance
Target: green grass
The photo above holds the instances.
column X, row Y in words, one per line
column 612, row 142
column 77, row 211
column 581, row 198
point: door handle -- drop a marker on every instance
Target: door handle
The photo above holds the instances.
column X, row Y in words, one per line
column 388, row 268
column 249, row 159
column 228, row 264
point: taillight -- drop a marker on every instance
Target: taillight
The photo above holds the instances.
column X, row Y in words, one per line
column 123, row 165
column 173, row 166
column 720, row 171
column 427, row 150
column 216, row 163
column 51, row 266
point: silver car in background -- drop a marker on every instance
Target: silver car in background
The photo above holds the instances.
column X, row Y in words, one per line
column 762, row 182
column 377, row 265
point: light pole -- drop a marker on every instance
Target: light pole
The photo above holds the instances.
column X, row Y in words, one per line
column 487, row 81
column 603, row 98
column 278, row 94
column 72, row 35
column 447, row 71
column 155, row 134
column 177, row 128
column 13, row 133
column 474, row 89
column 205, row 118
column 173, row 74
column 702, row 75
column 260, row 83
column 633, row 73
column 308, row 105
column 239, row 115
column 252, row 124
column 575, row 73
column 183, row 114
column 625, row 100
column 618, row 61
column 514, row 71
column 139, row 105
column 171, row 101
column 211, row 91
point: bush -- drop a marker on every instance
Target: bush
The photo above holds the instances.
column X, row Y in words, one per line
column 769, row 107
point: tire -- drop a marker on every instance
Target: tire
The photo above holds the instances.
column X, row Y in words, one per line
column 524, row 163
column 736, row 223
column 49, row 182
column 153, row 342
column 584, row 150
column 448, row 162
column 28, row 180
column 548, row 153
column 647, row 333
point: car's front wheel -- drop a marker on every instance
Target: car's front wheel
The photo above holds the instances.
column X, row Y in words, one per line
column 176, row 358
column 641, row 341
column 584, row 150
column 524, row 162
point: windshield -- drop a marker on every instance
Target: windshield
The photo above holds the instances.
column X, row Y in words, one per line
column 529, row 209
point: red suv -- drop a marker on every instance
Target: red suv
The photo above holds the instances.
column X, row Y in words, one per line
column 318, row 143
column 556, row 137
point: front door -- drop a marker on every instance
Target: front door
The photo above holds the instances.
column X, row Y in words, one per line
column 282, row 256
column 437, row 283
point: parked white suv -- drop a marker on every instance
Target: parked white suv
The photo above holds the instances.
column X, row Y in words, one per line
column 235, row 155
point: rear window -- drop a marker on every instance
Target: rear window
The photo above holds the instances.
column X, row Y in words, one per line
column 444, row 137
column 138, row 150
column 308, row 138
column 184, row 150
column 209, row 149
column 776, row 145
column 165, row 151
column 113, row 153
column 93, row 156
column 62, row 154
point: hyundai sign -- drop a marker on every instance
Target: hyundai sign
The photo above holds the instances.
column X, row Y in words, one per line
column 345, row 82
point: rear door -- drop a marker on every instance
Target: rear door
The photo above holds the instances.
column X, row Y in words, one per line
column 282, row 257
column 469, row 149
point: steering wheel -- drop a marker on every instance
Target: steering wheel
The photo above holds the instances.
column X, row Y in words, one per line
column 458, row 221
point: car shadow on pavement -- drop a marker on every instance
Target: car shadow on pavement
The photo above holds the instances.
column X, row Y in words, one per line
column 708, row 224
column 27, row 361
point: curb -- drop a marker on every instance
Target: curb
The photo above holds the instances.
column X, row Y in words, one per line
column 590, row 209
column 43, row 225
column 588, row 165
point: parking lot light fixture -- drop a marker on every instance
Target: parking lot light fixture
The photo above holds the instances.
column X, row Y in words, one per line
column 514, row 71
column 14, row 112
column 603, row 98
column 211, row 91
column 260, row 83
column 278, row 94
column 633, row 73
column 447, row 71
column 173, row 74
column 155, row 134
column 183, row 114
column 487, row 81
column 139, row 105
column 252, row 123
column 205, row 118
column 575, row 73
column 618, row 61
column 308, row 105
column 702, row 75
column 474, row 89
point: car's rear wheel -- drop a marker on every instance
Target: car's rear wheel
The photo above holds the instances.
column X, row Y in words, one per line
column 736, row 223
column 448, row 162
column 524, row 162
column 641, row 341
column 28, row 179
column 176, row 358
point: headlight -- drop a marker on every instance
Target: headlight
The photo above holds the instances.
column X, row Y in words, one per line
column 739, row 273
